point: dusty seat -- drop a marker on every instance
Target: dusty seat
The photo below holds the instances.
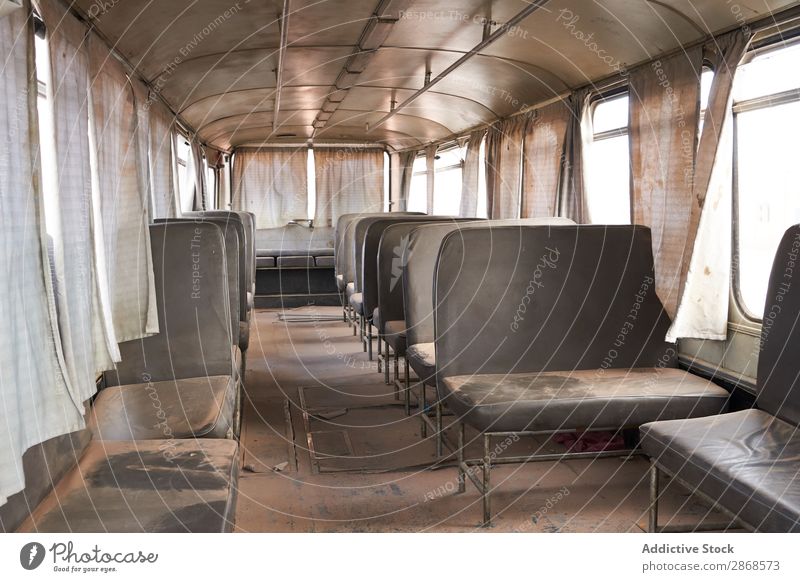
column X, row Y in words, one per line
column 304, row 261
column 144, row 486
column 748, row 461
column 180, row 409
column 323, row 261
column 265, row 262
column 422, row 359
column 394, row 332
column 583, row 398
column 357, row 303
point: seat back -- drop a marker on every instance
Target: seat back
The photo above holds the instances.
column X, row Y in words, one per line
column 367, row 275
column 237, row 221
column 515, row 299
column 419, row 262
column 778, row 380
column 344, row 253
column 194, row 309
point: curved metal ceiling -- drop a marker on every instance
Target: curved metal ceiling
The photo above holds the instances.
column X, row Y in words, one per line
column 347, row 63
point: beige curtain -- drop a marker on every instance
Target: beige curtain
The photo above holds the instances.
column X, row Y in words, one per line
column 430, row 175
column 470, row 175
column 162, row 178
column 703, row 308
column 37, row 400
column 406, row 160
column 543, row 157
column 86, row 347
column 664, row 110
column 272, row 183
column 504, row 143
column 120, row 202
column 199, row 174
column 348, row 181
column 574, row 170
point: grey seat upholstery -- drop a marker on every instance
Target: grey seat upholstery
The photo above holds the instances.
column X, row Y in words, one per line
column 180, row 409
column 588, row 399
column 394, row 332
column 419, row 258
column 296, row 261
column 576, row 301
column 357, row 303
column 422, row 358
column 144, row 486
column 265, row 262
column 193, row 310
column 749, row 461
column 323, row 261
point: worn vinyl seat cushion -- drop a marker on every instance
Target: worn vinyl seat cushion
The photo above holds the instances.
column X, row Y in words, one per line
column 144, row 486
column 394, row 332
column 180, row 409
column 747, row 460
column 422, row 359
column 357, row 303
column 611, row 398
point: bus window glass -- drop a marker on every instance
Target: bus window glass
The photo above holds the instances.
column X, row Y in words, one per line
column 447, row 194
column 418, row 194
column 608, row 190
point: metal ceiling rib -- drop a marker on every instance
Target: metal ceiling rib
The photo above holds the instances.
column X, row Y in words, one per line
column 284, row 24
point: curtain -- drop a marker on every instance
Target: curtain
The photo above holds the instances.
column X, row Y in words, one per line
column 542, row 161
column 348, row 181
column 504, row 167
column 703, row 308
column 430, row 176
column 574, row 170
column 199, row 177
column 272, row 183
column 470, row 175
column 162, row 178
column 87, row 348
column 120, row 203
column 225, row 184
column 37, row 400
column 664, row 99
column 406, row 172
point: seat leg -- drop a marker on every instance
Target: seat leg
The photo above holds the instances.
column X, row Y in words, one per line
column 487, row 469
column 422, row 410
column 380, row 354
column 439, row 434
column 369, row 341
column 386, row 362
column 396, row 368
column 353, row 320
column 362, row 332
column 462, row 476
column 406, row 379
column 652, row 517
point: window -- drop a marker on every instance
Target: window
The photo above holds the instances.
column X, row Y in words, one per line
column 448, row 167
column 418, row 194
column 183, row 155
column 386, row 179
column 211, row 185
column 706, row 79
column 483, row 210
column 609, row 196
column 766, row 97
column 47, row 145
column 311, row 179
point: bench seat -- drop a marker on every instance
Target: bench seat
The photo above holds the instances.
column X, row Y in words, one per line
column 394, row 333
column 304, row 261
column 746, row 461
column 265, row 262
column 144, row 486
column 180, row 409
column 581, row 399
column 357, row 303
column 422, row 359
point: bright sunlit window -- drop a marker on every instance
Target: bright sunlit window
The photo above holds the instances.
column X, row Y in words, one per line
column 418, row 193
column 448, row 167
column 766, row 109
column 47, row 146
column 185, row 178
column 608, row 196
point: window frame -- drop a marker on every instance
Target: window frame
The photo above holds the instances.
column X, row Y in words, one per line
column 748, row 105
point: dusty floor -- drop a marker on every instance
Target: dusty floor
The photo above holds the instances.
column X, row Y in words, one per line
column 349, row 459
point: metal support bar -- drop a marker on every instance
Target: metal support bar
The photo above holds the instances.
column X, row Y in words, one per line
column 532, row 7
column 284, row 22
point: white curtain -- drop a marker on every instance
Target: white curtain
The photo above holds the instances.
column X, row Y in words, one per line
column 542, row 160
column 199, row 177
column 703, row 308
column 120, row 201
column 348, row 181
column 572, row 182
column 430, row 177
column 406, row 163
column 664, row 111
column 272, row 184
column 504, row 167
column 162, row 180
column 36, row 401
column 470, row 188
column 87, row 349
